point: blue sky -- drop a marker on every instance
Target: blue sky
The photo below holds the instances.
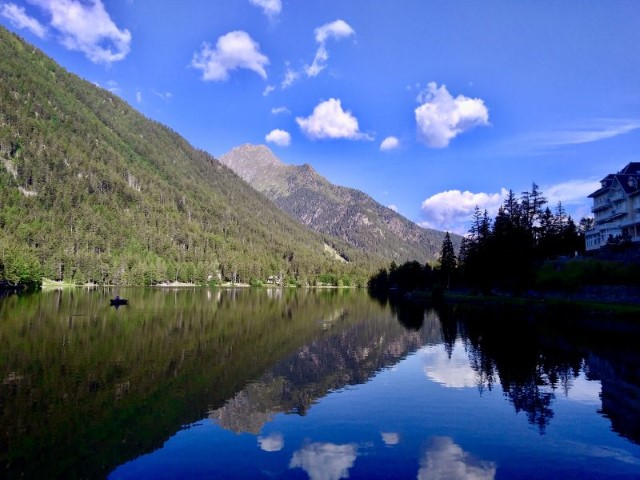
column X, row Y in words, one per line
column 431, row 107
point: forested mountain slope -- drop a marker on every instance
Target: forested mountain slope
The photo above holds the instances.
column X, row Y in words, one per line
column 91, row 190
column 330, row 209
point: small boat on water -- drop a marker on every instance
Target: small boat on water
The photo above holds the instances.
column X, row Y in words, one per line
column 116, row 302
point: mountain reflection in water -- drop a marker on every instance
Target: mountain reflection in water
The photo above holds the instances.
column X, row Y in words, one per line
column 85, row 388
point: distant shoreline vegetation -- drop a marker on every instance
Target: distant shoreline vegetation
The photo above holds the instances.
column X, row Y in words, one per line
column 526, row 251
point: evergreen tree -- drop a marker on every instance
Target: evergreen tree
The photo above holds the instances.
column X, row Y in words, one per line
column 448, row 261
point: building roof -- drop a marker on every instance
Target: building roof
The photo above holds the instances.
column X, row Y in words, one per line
column 632, row 168
column 628, row 178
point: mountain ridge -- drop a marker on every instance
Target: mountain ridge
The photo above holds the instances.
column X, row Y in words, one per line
column 343, row 212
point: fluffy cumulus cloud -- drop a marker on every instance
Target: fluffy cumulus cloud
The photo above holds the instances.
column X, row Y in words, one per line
column 279, row 137
column 232, row 51
column 271, row 8
column 20, row 19
column 393, row 207
column 389, row 143
column 329, row 120
column 85, row 26
column 441, row 117
column 452, row 210
column 325, row 461
column 445, row 459
column 337, row 30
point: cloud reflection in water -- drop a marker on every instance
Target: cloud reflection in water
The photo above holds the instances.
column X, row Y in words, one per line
column 446, row 460
column 274, row 442
column 390, row 438
column 325, row 461
column 454, row 372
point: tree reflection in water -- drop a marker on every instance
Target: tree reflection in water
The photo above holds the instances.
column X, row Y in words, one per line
column 85, row 388
column 535, row 356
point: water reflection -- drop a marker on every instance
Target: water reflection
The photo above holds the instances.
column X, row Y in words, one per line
column 390, row 438
column 85, row 388
column 325, row 461
column 444, row 459
column 450, row 367
column 349, row 356
column 274, row 442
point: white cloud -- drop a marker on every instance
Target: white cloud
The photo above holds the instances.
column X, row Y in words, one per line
column 234, row 50
column 594, row 132
column 163, row 95
column 138, row 96
column 389, row 143
column 271, row 8
column 452, row 210
column 290, row 76
column 279, row 137
column 19, row 19
column 572, row 192
column 272, row 443
column 268, row 90
column 337, row 30
column 393, row 207
column 454, row 372
column 574, row 197
column 279, row 110
column 87, row 27
column 445, row 459
column 329, row 120
column 325, row 461
column 440, row 117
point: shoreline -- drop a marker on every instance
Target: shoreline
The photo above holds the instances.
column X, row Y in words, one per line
column 48, row 284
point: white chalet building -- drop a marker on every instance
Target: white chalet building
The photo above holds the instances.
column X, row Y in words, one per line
column 616, row 207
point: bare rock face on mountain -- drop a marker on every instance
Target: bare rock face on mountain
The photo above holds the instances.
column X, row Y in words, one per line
column 330, row 209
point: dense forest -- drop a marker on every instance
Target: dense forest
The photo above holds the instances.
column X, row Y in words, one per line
column 526, row 246
column 92, row 191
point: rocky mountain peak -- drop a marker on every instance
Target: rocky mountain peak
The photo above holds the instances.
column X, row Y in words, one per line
column 254, row 155
column 252, row 162
column 329, row 209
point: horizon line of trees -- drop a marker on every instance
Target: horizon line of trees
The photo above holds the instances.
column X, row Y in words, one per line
column 496, row 253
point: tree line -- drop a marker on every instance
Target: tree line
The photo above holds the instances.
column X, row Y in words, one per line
column 500, row 253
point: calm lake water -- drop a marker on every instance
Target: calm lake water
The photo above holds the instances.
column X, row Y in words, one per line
column 325, row 385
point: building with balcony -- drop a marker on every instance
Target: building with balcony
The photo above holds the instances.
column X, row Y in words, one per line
column 616, row 208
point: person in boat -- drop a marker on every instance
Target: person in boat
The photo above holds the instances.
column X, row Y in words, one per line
column 117, row 299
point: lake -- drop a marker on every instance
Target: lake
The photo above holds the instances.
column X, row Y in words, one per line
column 319, row 384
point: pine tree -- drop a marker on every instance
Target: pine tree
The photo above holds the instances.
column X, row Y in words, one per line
column 447, row 260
